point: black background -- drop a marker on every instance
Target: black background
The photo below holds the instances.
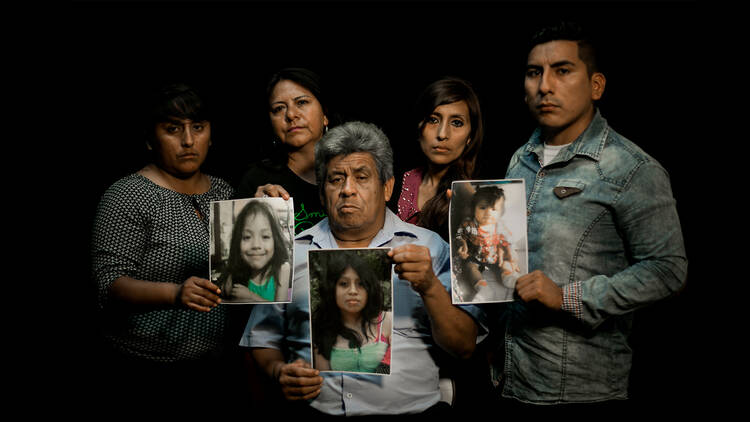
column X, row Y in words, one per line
column 376, row 57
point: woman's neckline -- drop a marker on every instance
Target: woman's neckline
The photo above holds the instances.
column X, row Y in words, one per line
column 153, row 183
column 155, row 177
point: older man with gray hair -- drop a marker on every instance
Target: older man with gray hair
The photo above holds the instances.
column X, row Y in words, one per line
column 354, row 166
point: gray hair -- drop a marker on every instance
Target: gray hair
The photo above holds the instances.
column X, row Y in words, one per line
column 349, row 138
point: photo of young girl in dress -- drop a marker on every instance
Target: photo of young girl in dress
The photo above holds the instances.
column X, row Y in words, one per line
column 488, row 242
column 352, row 319
column 251, row 249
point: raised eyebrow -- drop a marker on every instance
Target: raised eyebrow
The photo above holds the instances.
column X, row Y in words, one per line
column 362, row 169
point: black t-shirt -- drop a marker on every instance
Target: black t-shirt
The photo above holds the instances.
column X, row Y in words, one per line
column 308, row 210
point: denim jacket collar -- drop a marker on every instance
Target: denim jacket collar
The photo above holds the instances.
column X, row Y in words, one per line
column 590, row 143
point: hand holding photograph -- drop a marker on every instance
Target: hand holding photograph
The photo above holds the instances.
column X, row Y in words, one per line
column 251, row 249
column 351, row 298
column 487, row 223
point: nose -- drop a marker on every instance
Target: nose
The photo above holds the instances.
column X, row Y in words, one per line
column 255, row 242
column 291, row 113
column 348, row 188
column 352, row 289
column 545, row 83
column 443, row 132
column 187, row 136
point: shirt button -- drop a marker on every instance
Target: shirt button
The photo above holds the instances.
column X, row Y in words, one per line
column 541, row 174
column 563, row 191
column 348, row 395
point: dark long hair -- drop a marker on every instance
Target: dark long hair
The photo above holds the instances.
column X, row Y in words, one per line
column 236, row 266
column 327, row 325
column 434, row 213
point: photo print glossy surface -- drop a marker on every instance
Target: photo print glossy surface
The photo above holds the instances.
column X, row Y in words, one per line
column 351, row 297
column 487, row 224
column 251, row 249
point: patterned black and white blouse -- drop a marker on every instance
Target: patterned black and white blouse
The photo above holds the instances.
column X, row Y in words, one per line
column 148, row 232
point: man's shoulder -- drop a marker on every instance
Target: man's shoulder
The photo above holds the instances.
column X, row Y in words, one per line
column 621, row 155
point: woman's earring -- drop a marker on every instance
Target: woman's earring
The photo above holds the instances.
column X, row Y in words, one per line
column 325, row 129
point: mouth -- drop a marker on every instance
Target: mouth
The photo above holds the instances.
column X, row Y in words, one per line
column 545, row 107
column 440, row 149
column 348, row 208
column 294, row 129
column 187, row 155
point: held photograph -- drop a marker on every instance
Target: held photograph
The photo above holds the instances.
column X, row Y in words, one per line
column 351, row 297
column 251, row 249
column 487, row 224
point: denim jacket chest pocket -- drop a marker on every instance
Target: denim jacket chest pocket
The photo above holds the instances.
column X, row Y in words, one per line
column 568, row 187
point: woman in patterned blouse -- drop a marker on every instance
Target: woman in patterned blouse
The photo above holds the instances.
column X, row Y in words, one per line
column 161, row 321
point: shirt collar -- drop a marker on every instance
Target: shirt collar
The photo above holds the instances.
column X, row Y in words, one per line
column 321, row 235
column 590, row 143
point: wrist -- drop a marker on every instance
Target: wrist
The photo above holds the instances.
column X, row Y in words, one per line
column 431, row 288
column 177, row 298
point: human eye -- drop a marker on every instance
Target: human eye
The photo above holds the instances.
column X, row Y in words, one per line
column 433, row 120
column 457, row 123
column 276, row 109
column 174, row 129
column 302, row 102
column 533, row 72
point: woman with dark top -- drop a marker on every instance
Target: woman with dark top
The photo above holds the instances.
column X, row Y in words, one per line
column 299, row 116
column 162, row 326
column 449, row 131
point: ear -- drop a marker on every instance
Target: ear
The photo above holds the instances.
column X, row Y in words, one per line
column 325, row 120
column 598, row 82
column 388, row 188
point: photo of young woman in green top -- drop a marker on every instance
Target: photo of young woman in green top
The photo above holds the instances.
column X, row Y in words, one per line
column 352, row 317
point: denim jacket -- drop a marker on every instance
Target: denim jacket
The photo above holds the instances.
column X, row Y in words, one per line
column 602, row 224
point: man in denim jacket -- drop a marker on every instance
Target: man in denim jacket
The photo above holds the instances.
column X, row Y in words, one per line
column 604, row 236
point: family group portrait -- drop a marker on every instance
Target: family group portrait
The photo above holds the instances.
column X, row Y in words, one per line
column 311, row 210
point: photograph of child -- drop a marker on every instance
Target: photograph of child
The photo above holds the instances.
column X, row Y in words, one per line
column 351, row 298
column 251, row 249
column 488, row 239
